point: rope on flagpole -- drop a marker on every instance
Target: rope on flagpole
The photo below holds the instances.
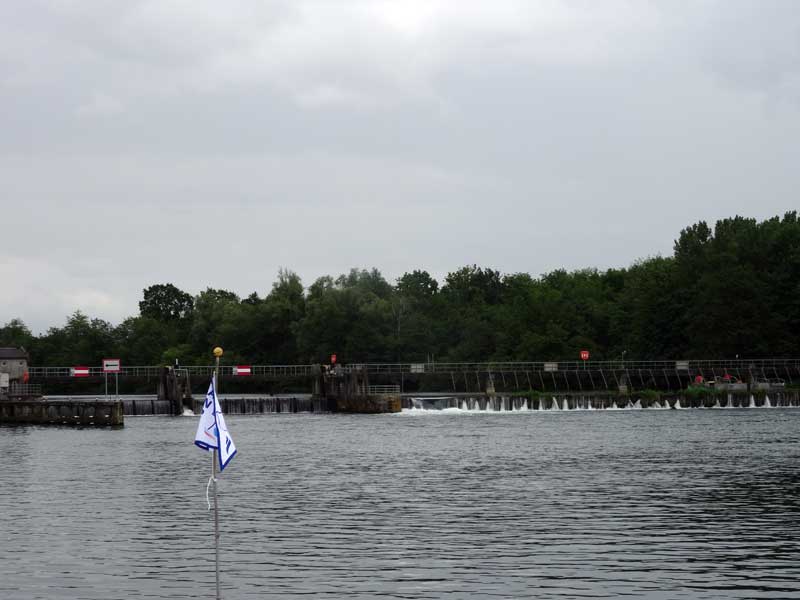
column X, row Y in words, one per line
column 208, row 487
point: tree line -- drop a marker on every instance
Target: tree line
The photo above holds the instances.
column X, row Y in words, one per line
column 733, row 290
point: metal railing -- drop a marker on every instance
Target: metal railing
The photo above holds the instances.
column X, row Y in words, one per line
column 379, row 390
column 192, row 370
column 18, row 390
column 721, row 366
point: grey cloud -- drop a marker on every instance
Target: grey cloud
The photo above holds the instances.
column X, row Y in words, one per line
column 211, row 144
column 755, row 46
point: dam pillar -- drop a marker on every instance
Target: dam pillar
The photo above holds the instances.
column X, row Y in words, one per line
column 347, row 387
column 174, row 387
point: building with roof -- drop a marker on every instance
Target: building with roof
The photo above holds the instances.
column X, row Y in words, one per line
column 13, row 366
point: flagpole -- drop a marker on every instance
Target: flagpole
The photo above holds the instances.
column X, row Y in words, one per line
column 217, row 355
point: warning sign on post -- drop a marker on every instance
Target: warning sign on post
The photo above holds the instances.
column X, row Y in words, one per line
column 111, row 365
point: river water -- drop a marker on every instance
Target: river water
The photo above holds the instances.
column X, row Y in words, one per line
column 646, row 504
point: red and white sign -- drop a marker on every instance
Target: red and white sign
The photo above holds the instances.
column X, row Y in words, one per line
column 584, row 355
column 79, row 371
column 112, row 365
column 333, row 359
column 242, row 370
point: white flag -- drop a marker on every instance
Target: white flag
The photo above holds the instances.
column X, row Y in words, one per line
column 212, row 433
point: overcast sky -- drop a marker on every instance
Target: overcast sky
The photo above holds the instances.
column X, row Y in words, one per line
column 209, row 143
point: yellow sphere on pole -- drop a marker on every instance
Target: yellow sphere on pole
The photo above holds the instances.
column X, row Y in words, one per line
column 217, row 351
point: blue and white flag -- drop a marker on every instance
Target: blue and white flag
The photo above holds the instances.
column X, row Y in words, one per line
column 212, row 433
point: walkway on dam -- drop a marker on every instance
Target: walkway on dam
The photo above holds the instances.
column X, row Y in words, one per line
column 782, row 368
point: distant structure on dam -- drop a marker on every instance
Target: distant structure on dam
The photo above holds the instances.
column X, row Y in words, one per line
column 21, row 402
column 506, row 377
column 14, row 374
column 385, row 387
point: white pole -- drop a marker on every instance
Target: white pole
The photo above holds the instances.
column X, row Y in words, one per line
column 214, row 475
column 216, row 519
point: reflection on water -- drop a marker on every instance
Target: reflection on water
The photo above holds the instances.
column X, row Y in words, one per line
column 657, row 504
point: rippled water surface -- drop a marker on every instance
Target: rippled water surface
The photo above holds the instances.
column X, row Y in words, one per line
column 650, row 504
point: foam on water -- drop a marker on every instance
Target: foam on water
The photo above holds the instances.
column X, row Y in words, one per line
column 509, row 405
column 434, row 411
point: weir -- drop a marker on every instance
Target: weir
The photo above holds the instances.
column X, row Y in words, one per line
column 282, row 404
column 502, row 386
column 62, row 412
column 231, row 405
column 96, row 411
column 564, row 402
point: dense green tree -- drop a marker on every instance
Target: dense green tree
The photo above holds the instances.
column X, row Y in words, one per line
column 645, row 312
column 733, row 289
column 165, row 302
column 81, row 341
column 144, row 340
column 473, row 285
column 15, row 334
column 351, row 317
column 219, row 319
column 418, row 286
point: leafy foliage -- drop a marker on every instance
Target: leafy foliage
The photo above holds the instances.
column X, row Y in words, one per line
column 165, row 302
column 727, row 291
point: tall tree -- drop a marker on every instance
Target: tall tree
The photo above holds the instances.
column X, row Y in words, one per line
column 165, row 302
column 16, row 334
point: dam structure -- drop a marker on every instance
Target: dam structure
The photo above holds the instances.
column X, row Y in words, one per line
column 253, row 404
column 573, row 402
column 474, row 387
column 569, row 376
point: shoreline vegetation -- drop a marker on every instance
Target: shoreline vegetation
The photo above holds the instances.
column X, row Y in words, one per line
column 731, row 291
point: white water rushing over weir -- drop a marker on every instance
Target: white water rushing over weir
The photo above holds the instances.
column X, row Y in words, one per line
column 147, row 405
column 517, row 404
